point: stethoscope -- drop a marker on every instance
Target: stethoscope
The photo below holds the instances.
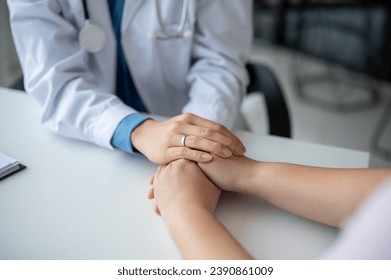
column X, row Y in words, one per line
column 92, row 37
column 180, row 32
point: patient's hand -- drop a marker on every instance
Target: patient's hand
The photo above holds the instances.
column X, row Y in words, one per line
column 232, row 174
column 181, row 185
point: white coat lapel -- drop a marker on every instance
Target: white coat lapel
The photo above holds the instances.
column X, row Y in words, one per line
column 130, row 10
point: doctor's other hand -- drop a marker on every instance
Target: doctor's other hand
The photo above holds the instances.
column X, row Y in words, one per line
column 180, row 187
column 186, row 136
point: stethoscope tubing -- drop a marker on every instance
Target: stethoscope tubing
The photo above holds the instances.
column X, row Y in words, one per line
column 181, row 27
column 90, row 31
column 86, row 11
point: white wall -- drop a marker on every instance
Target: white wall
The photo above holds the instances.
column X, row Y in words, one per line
column 9, row 65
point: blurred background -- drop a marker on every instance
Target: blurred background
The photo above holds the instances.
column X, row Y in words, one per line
column 320, row 72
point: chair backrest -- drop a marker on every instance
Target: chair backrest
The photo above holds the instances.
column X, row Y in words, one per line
column 264, row 80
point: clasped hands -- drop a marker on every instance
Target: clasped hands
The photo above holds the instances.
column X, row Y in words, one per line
column 198, row 158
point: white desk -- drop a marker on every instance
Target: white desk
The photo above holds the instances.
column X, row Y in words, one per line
column 79, row 201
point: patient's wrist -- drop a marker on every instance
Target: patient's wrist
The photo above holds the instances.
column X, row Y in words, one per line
column 174, row 210
column 247, row 176
column 177, row 222
column 255, row 178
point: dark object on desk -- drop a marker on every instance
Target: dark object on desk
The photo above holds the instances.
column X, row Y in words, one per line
column 9, row 166
column 19, row 168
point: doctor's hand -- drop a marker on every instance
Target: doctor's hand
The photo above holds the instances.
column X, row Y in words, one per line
column 186, row 136
column 181, row 186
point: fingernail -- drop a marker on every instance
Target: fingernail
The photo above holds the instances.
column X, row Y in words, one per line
column 227, row 152
column 242, row 149
column 206, row 156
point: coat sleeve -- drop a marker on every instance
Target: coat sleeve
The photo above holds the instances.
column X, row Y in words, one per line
column 59, row 74
column 222, row 45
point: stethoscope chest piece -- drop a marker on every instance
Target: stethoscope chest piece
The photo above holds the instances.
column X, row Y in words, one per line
column 92, row 38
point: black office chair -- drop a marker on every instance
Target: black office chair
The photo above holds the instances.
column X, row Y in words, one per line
column 263, row 80
column 18, row 84
column 380, row 132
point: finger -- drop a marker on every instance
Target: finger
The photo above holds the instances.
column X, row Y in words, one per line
column 158, row 171
column 151, row 193
column 151, row 180
column 175, row 153
column 157, row 210
column 215, row 135
column 234, row 143
column 203, row 144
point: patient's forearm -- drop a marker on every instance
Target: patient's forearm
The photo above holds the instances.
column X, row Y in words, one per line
column 325, row 195
column 199, row 235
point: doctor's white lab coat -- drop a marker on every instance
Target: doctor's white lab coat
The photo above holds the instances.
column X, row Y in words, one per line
column 204, row 75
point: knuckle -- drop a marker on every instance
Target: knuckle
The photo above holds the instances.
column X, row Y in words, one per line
column 182, row 151
column 194, row 154
column 218, row 127
column 206, row 132
column 194, row 140
column 229, row 141
column 177, row 118
column 187, row 116
column 174, row 126
column 184, row 155
column 217, row 148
